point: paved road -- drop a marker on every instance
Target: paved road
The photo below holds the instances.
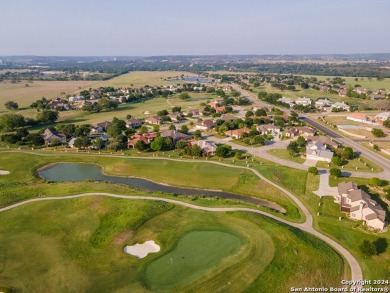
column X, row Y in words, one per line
column 356, row 272
column 379, row 160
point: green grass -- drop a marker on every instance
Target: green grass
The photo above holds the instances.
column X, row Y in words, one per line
column 195, row 256
column 47, row 247
column 284, row 154
column 358, row 164
column 22, row 184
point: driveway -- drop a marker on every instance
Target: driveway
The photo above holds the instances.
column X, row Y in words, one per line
column 324, row 189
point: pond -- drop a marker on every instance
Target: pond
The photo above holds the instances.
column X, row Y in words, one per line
column 62, row 172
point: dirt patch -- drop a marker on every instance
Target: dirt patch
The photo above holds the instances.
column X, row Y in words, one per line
column 122, row 237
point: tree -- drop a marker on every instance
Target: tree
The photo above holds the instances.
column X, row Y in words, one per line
column 107, row 104
column 176, row 109
column 301, row 141
column 143, row 130
column 11, row 105
column 67, row 129
column 82, row 130
column 337, row 161
column 368, row 248
column 35, row 139
column 223, row 151
column 98, row 143
column 81, row 142
column 386, row 123
column 313, row 170
column 157, row 144
column 47, row 116
column 140, row 146
column 293, row 148
column 304, row 85
column 197, row 134
column 260, row 112
column 181, row 144
column 156, row 128
column 378, row 132
column 184, row 96
column 184, row 129
column 374, row 181
column 10, row 122
column 196, row 151
column 172, row 127
column 347, row 153
column 335, row 172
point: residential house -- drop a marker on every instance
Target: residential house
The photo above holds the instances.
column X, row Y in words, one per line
column 208, row 147
column 175, row 117
column 147, row 138
column 318, row 152
column 154, row 120
column 193, row 113
column 268, row 129
column 286, row 101
column 49, row 136
column 340, row 105
column 322, row 103
column 133, row 123
column 359, row 206
column 325, row 140
column 382, row 117
column 237, row 133
column 358, row 117
column 303, row 101
column 175, row 135
column 205, row 125
column 302, row 130
column 103, row 125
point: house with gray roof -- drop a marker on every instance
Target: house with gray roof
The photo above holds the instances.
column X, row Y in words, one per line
column 318, row 152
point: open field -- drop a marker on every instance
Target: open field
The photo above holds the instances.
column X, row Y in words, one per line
column 284, row 154
column 383, row 145
column 181, row 174
column 25, row 95
column 77, row 245
column 135, row 109
column 366, row 83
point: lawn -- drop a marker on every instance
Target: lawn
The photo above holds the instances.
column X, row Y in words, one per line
column 21, row 183
column 77, row 246
column 357, row 164
column 284, row 154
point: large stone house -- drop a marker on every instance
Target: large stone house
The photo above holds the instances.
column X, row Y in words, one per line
column 359, row 206
column 208, row 147
column 50, row 136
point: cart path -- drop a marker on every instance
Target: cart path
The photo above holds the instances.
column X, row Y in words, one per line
column 356, row 273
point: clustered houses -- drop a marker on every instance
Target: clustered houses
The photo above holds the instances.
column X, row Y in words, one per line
column 363, row 118
column 359, row 206
column 301, row 130
column 318, row 152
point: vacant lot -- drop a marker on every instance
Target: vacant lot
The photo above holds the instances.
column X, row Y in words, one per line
column 24, row 93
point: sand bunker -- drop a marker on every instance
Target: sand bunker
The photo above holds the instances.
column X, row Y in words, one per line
column 142, row 250
column 3, row 172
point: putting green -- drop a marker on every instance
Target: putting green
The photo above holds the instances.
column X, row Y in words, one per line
column 194, row 256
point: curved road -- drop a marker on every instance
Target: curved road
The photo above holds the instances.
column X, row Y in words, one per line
column 355, row 268
column 356, row 272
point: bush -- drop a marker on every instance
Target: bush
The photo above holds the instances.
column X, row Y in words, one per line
column 337, row 161
column 374, row 181
column 377, row 132
column 313, row 170
column 335, row 172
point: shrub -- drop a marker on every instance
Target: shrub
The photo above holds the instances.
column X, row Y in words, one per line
column 377, row 132
column 368, row 248
column 313, row 170
column 335, row 172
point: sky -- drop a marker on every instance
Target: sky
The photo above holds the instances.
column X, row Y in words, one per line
column 202, row 27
